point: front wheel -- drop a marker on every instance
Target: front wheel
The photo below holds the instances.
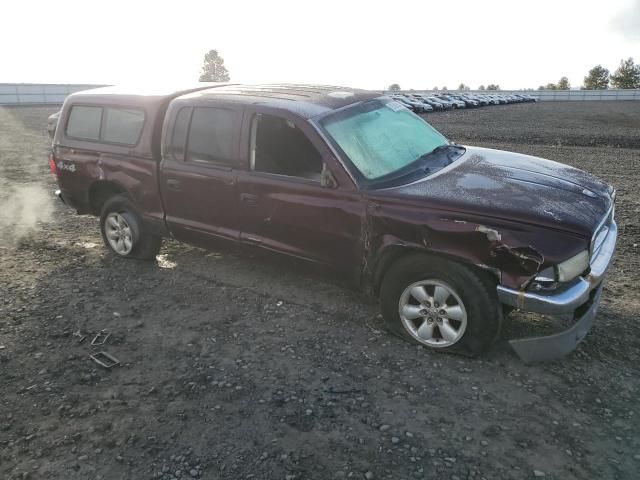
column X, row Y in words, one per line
column 440, row 304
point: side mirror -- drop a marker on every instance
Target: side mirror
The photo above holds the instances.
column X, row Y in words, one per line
column 327, row 179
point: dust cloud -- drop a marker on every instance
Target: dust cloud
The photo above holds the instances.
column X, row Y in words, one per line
column 23, row 208
column 25, row 198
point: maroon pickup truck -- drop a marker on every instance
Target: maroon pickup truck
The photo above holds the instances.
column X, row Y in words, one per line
column 450, row 237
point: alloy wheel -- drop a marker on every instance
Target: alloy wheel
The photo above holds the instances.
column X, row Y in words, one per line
column 118, row 233
column 433, row 313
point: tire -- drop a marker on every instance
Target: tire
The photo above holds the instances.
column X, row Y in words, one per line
column 476, row 324
column 119, row 220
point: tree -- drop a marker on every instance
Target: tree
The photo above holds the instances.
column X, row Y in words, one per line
column 597, row 78
column 463, row 87
column 627, row 75
column 481, row 87
column 394, row 87
column 435, row 89
column 213, row 69
column 563, row 84
column 444, row 89
column 491, row 86
column 550, row 86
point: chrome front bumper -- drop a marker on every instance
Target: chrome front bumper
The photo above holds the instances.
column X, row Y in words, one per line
column 583, row 290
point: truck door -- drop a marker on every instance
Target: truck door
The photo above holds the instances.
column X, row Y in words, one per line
column 284, row 204
column 198, row 173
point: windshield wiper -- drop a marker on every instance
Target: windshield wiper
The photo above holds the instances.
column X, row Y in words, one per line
column 440, row 148
column 432, row 161
column 448, row 147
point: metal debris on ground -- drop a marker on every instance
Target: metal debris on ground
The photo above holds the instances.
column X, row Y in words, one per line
column 80, row 336
column 104, row 359
column 101, row 337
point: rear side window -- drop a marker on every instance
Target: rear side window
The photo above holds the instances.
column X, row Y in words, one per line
column 119, row 125
column 122, row 125
column 84, row 122
column 211, row 136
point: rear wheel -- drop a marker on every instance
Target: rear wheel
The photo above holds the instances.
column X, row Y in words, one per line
column 119, row 233
column 440, row 304
column 123, row 231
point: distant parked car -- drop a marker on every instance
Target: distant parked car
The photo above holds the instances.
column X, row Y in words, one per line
column 417, row 106
column 487, row 98
column 424, row 99
column 403, row 102
column 419, row 102
column 429, row 107
column 435, row 102
column 52, row 123
column 454, row 102
column 446, row 103
column 479, row 98
column 495, row 99
column 526, row 98
column 469, row 102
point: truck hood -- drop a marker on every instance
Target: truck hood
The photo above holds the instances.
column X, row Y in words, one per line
column 516, row 187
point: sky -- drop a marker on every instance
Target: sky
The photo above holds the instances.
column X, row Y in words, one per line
column 417, row 44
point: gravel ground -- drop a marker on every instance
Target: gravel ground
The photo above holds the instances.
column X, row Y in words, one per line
column 238, row 365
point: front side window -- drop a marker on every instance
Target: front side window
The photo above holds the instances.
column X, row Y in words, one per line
column 122, row 125
column 281, row 148
column 211, row 136
column 84, row 122
column 381, row 137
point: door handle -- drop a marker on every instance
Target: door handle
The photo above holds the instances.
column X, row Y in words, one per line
column 249, row 199
column 174, row 184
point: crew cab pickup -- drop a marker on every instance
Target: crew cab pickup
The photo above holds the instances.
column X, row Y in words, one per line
column 450, row 237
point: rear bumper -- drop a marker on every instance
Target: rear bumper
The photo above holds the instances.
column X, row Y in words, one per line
column 71, row 202
column 580, row 300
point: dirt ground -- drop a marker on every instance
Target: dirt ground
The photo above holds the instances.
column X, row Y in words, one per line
column 245, row 366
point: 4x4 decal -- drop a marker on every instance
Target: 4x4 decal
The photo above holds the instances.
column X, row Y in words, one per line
column 70, row 167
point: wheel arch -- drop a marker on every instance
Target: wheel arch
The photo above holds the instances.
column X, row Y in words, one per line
column 394, row 252
column 100, row 191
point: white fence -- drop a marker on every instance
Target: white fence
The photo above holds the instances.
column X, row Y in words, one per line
column 564, row 95
column 557, row 95
column 38, row 93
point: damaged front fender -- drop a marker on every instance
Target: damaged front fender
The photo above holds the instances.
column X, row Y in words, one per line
column 512, row 251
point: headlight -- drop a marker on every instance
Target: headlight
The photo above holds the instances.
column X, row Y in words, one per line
column 570, row 269
column 567, row 270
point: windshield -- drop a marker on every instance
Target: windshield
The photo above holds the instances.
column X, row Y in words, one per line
column 381, row 136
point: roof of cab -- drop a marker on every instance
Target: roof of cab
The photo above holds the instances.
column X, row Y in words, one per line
column 304, row 100
column 137, row 94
